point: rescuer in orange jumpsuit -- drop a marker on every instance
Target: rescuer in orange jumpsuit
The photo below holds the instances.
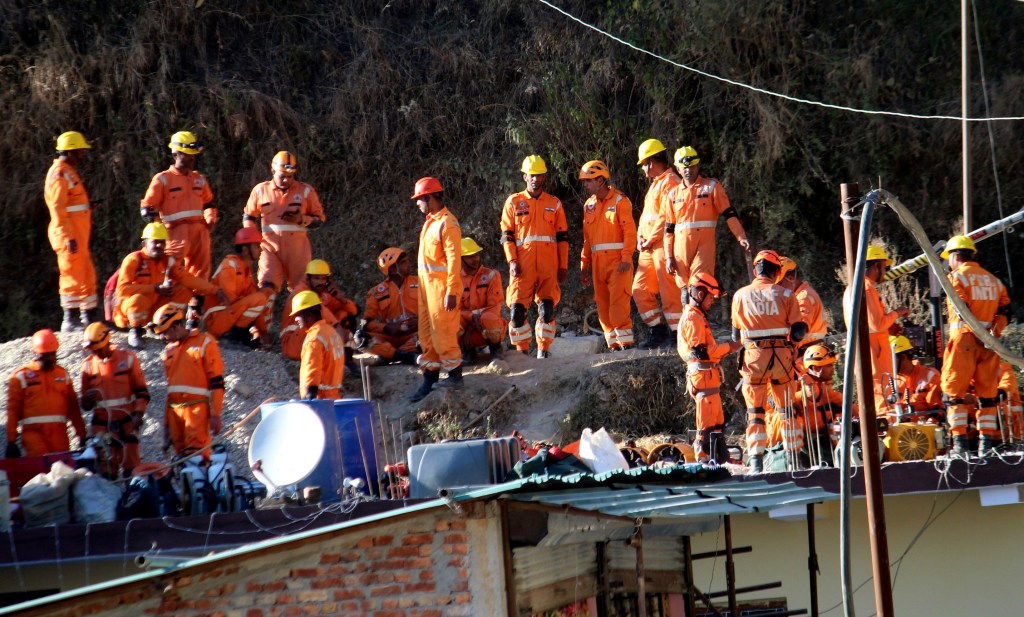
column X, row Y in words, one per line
column 41, row 398
column 966, row 361
column 440, row 274
column 391, row 319
column 917, row 386
column 69, row 231
column 697, row 347
column 879, row 321
column 322, row 365
column 1009, row 393
column 114, row 388
column 480, row 321
column 338, row 311
column 181, row 199
column 535, row 237
column 766, row 319
column 812, row 311
column 195, row 382
column 690, row 221
column 609, row 239
column 243, row 316
column 289, row 209
column 652, row 278
column 149, row 279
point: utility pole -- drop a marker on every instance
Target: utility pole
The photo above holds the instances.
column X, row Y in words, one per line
column 965, row 97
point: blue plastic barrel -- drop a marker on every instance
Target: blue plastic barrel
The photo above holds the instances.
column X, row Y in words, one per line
column 356, row 429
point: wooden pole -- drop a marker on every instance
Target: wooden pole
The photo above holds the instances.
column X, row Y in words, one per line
column 637, row 542
column 512, row 606
column 965, row 108
column 812, row 560
column 689, row 599
column 730, row 566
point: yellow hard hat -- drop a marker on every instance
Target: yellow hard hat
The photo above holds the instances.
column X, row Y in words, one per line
column 165, row 317
column 185, row 141
column 877, row 252
column 318, row 267
column 900, row 343
column 304, row 300
column 285, row 162
column 71, row 140
column 788, row 265
column 470, row 247
column 687, row 156
column 647, row 149
column 957, row 243
column 594, row 169
column 534, row 165
column 389, row 257
column 97, row 335
column 155, row 231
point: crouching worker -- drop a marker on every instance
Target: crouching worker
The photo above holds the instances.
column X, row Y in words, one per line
column 239, row 310
column 338, row 310
column 391, row 319
column 480, row 321
column 698, row 348
column 322, row 362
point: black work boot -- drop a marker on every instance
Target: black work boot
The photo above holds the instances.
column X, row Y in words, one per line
column 469, row 356
column 429, row 379
column 719, row 452
column 88, row 316
column 69, row 322
column 986, row 445
column 660, row 335
column 135, row 338
column 453, row 380
column 960, row 447
column 405, row 357
column 497, row 351
column 755, row 464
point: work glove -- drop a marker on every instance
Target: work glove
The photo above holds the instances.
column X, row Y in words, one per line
column 149, row 215
column 1001, row 396
column 210, row 216
column 311, row 393
column 12, row 451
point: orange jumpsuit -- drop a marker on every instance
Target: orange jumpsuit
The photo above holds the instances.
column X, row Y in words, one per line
column 812, row 313
column 286, row 249
column 763, row 313
column 440, row 273
column 703, row 374
column 966, row 361
column 248, row 304
column 323, row 361
column 334, row 310
column 136, row 299
column 534, row 233
column 609, row 238
column 388, row 304
column 652, row 278
column 690, row 224
column 817, row 406
column 71, row 219
column 195, row 390
column 924, row 388
column 42, row 402
column 1008, row 384
column 879, row 323
column 180, row 199
column 120, row 391
column 480, row 322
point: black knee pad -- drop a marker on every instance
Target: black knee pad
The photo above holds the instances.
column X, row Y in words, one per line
column 948, row 400
column 985, row 403
column 518, row 315
column 546, row 311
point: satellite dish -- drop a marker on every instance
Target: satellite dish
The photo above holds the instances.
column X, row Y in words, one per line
column 287, row 444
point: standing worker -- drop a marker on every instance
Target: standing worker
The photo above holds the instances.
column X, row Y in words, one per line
column 812, row 311
column 114, row 388
column 69, row 231
column 702, row 354
column 182, row 200
column 652, row 278
column 195, row 382
column 288, row 208
column 41, row 399
column 244, row 311
column 440, row 274
column 766, row 319
column 338, row 310
column 536, row 241
column 391, row 319
column 609, row 239
column 966, row 361
column 480, row 322
column 322, row 362
column 690, row 222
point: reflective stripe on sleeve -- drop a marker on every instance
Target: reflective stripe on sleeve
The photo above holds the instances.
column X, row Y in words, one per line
column 608, row 246
column 184, row 214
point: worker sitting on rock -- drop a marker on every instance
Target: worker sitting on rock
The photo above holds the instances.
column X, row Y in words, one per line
column 243, row 316
column 918, row 387
column 322, row 363
column 481, row 322
column 150, row 279
column 339, row 311
column 41, row 400
column 114, row 389
column 391, row 321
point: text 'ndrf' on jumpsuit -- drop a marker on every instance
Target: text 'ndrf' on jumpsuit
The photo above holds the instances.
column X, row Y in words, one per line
column 697, row 347
column 535, row 234
column 690, row 224
column 879, row 322
column 195, row 390
column 652, row 279
column 136, row 299
column 322, row 364
column 180, row 200
column 388, row 304
column 480, row 321
column 247, row 304
column 120, row 391
column 439, row 268
column 609, row 238
column 966, row 362
column 286, row 249
column 335, row 308
column 71, row 219
column 763, row 313
column 42, row 402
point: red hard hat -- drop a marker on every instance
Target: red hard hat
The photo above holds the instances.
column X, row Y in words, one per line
column 44, row 341
column 248, row 235
column 426, row 186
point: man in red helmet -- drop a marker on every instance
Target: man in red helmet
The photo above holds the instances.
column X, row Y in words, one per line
column 338, row 310
column 41, row 400
column 239, row 309
column 391, row 319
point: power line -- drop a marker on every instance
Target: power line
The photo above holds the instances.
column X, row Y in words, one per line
column 793, row 99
